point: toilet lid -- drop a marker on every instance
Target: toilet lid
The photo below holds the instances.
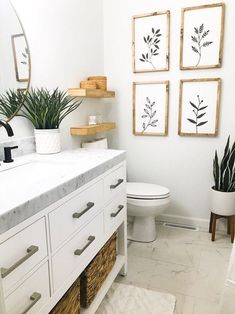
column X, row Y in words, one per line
column 146, row 190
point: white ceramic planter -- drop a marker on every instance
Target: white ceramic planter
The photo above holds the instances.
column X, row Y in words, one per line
column 47, row 141
column 223, row 203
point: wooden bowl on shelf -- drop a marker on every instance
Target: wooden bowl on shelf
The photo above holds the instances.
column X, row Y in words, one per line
column 88, row 84
column 100, row 81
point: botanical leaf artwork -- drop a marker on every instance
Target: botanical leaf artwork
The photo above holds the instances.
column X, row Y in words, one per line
column 152, row 45
column 149, row 114
column 199, row 112
column 199, row 41
column 25, row 56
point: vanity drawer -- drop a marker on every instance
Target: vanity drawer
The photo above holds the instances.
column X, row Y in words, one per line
column 114, row 183
column 78, row 252
column 20, row 253
column 31, row 295
column 69, row 217
column 114, row 214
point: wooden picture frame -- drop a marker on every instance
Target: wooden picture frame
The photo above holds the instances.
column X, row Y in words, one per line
column 150, row 108
column 199, row 106
column 202, row 37
column 21, row 57
column 151, row 42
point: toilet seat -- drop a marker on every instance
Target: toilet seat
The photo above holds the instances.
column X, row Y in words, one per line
column 146, row 191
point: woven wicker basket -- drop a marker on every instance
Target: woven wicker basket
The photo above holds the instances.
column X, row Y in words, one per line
column 101, row 81
column 97, row 271
column 88, row 84
column 70, row 302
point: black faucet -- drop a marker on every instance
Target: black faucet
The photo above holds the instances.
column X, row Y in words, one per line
column 7, row 150
column 7, row 127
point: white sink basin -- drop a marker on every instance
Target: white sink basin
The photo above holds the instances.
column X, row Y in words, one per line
column 24, row 180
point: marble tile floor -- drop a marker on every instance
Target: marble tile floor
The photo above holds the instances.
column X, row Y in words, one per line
column 182, row 262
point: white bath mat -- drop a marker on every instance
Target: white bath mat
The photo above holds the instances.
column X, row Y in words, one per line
column 127, row 299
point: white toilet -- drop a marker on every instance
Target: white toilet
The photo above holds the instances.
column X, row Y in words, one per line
column 144, row 202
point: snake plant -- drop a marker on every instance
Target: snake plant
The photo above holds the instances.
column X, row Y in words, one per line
column 46, row 109
column 224, row 172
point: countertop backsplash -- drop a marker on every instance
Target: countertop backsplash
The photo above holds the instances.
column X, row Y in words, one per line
column 25, row 145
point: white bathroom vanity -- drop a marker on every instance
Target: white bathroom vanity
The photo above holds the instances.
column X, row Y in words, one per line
column 50, row 208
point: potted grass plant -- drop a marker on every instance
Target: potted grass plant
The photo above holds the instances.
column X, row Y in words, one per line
column 46, row 110
column 223, row 191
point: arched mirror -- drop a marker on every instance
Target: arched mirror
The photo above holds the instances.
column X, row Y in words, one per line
column 15, row 65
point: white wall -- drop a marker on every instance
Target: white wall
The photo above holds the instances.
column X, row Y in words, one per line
column 183, row 164
column 66, row 44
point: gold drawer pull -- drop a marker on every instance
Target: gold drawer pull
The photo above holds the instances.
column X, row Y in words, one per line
column 30, row 251
column 114, row 186
column 35, row 297
column 89, row 206
column 80, row 251
column 120, row 207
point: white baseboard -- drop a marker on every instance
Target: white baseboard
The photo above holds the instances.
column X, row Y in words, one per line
column 202, row 224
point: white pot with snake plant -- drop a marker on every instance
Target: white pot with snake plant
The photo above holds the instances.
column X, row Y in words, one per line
column 46, row 110
column 223, row 191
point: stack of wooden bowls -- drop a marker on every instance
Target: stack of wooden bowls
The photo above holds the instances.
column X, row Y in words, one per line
column 95, row 82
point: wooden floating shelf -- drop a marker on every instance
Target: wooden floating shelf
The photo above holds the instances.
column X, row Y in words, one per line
column 90, row 93
column 92, row 129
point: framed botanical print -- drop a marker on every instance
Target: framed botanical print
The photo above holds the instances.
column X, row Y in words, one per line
column 21, row 57
column 199, row 105
column 202, row 33
column 151, row 42
column 150, row 108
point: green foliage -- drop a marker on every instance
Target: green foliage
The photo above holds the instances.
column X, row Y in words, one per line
column 10, row 102
column 224, row 173
column 46, row 109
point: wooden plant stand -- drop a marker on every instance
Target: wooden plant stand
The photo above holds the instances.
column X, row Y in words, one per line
column 230, row 224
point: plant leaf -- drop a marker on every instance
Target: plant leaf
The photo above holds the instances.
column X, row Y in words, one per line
column 201, row 28
column 202, row 123
column 207, row 43
column 192, row 121
column 202, row 108
column 153, row 114
column 194, row 38
column 195, row 49
column 201, row 115
column 192, row 104
column 205, row 33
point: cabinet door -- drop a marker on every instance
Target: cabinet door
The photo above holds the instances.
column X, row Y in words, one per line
column 21, row 253
column 71, row 216
column 114, row 183
column 114, row 214
column 78, row 252
column 31, row 295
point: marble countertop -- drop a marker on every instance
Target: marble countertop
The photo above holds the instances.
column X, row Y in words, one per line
column 34, row 181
